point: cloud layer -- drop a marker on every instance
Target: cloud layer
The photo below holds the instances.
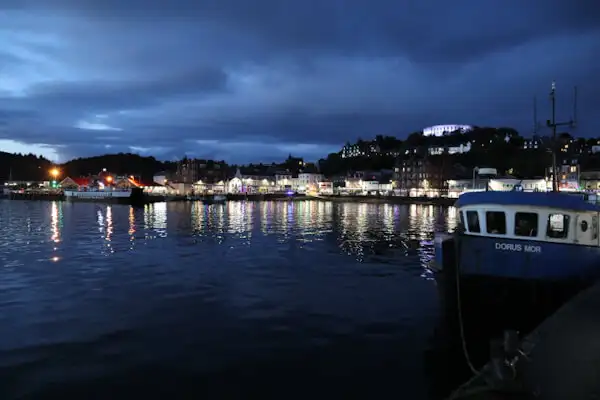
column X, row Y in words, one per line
column 251, row 81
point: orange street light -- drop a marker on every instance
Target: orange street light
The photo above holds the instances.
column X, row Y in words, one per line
column 54, row 172
column 109, row 179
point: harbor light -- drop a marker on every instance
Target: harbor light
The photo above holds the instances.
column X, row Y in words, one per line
column 54, row 172
column 109, row 179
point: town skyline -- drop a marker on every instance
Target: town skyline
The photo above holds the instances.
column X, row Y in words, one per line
column 502, row 148
column 345, row 146
column 243, row 82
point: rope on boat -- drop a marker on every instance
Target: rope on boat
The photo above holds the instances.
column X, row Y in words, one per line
column 463, row 391
column 459, row 311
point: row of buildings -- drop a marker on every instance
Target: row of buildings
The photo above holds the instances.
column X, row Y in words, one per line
column 417, row 179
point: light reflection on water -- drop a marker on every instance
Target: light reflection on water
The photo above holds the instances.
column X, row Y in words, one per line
column 189, row 281
column 361, row 231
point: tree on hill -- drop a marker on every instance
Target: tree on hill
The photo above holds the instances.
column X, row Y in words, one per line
column 120, row 164
column 24, row 167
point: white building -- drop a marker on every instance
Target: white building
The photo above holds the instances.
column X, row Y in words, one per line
column 309, row 181
column 250, row 184
column 283, row 181
column 532, row 144
column 463, row 148
column 326, row 187
column 528, row 185
column 456, row 187
column 439, row 130
column 160, row 178
column 375, row 186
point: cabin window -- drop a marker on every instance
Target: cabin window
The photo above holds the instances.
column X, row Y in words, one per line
column 526, row 224
column 461, row 222
column 495, row 222
column 473, row 221
column 558, row 226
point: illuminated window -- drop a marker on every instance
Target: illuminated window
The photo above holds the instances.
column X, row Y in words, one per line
column 558, row 226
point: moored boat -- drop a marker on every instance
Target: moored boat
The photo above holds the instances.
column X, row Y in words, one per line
column 131, row 196
column 517, row 249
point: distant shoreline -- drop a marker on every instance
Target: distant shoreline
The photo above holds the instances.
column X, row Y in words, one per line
column 437, row 201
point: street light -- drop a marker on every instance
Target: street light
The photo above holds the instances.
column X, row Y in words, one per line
column 54, row 172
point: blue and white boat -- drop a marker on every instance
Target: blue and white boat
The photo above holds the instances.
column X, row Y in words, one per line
column 519, row 246
column 520, row 235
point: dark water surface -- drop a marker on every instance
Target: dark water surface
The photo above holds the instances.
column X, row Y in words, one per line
column 182, row 300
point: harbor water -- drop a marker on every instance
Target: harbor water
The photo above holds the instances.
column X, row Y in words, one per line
column 185, row 300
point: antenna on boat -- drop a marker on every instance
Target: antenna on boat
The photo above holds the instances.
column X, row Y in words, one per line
column 553, row 124
column 574, row 119
column 536, row 123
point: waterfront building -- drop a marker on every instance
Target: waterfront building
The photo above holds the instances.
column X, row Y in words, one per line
column 250, row 184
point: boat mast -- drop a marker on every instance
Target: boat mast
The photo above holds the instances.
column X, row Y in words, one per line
column 553, row 124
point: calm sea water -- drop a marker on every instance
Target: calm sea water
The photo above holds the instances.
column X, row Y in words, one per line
column 185, row 300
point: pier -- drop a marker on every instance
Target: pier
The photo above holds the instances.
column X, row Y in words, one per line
column 439, row 201
column 560, row 359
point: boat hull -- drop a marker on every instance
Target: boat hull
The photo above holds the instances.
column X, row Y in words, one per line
column 511, row 289
column 133, row 197
column 527, row 260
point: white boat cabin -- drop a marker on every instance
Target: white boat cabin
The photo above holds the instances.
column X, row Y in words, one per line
column 533, row 223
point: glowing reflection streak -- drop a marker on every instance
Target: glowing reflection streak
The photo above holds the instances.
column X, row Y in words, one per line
column 241, row 220
column 452, row 219
column 109, row 224
column 54, row 223
column 100, row 221
column 132, row 228
column 264, row 217
column 221, row 220
column 159, row 220
column 197, row 216
column 55, row 227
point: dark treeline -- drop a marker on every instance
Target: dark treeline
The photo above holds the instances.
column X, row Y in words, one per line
column 23, row 167
column 119, row 164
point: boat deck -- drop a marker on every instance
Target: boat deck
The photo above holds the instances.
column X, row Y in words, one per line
column 564, row 356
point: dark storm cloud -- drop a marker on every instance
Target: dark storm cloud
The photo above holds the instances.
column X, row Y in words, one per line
column 425, row 29
column 110, row 95
column 256, row 80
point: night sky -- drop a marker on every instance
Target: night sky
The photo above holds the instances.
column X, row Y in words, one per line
column 255, row 80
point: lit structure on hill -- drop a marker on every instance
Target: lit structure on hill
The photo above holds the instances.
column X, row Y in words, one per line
column 439, row 130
